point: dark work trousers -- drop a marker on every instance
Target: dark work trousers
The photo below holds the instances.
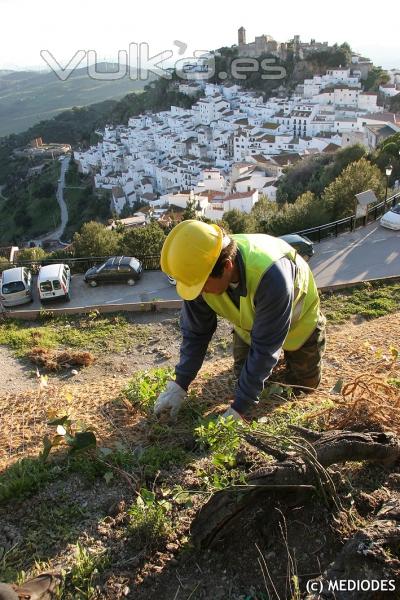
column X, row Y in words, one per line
column 304, row 366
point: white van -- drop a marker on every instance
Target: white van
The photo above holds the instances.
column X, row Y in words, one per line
column 16, row 286
column 54, row 282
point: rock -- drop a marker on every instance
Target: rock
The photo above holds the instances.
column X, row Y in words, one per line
column 172, row 547
column 74, row 372
column 116, row 508
column 393, row 480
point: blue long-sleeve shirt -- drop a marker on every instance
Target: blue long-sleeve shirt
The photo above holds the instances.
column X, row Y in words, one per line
column 273, row 303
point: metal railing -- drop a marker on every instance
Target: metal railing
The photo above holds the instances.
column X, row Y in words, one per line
column 150, row 262
column 316, row 234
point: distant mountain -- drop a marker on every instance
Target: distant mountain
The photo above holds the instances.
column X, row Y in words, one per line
column 27, row 97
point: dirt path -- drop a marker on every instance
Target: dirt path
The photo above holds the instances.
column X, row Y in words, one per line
column 15, row 376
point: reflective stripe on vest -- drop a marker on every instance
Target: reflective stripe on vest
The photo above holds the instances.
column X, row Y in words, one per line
column 259, row 253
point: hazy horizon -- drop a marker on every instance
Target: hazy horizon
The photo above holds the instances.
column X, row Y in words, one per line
column 94, row 26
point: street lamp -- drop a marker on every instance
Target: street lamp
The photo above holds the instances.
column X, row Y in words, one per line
column 389, row 169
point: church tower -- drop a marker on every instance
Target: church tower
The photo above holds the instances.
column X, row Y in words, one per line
column 242, row 36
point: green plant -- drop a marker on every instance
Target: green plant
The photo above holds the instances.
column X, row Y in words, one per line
column 25, row 477
column 371, row 300
column 86, row 566
column 68, row 433
column 222, row 436
column 154, row 458
column 395, row 381
column 10, row 571
column 149, row 521
column 142, row 390
column 277, row 423
column 22, row 339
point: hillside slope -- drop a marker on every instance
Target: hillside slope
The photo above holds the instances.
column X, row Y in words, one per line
column 27, row 97
column 84, row 513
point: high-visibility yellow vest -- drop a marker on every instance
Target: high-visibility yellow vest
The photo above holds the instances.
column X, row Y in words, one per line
column 259, row 253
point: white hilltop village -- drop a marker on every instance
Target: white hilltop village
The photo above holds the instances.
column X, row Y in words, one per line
column 231, row 147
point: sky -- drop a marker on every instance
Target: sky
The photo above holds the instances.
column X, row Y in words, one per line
column 65, row 27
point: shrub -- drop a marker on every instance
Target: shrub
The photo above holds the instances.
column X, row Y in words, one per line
column 144, row 387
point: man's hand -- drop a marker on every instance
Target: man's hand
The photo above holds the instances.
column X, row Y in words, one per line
column 171, row 399
column 231, row 412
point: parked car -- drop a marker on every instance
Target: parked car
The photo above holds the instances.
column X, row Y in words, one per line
column 16, row 286
column 54, row 281
column 117, row 269
column 391, row 219
column 300, row 243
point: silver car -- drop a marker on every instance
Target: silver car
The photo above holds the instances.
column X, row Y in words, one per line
column 16, row 286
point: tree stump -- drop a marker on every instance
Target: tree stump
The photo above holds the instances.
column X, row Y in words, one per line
column 293, row 476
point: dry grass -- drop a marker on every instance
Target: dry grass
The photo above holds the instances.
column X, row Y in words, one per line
column 357, row 354
column 367, row 403
column 53, row 360
column 24, row 416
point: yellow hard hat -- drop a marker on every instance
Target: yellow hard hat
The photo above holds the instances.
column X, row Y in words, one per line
column 189, row 254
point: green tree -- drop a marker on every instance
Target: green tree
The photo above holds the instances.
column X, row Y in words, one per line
column 306, row 212
column 190, row 210
column 95, row 240
column 388, row 153
column 142, row 241
column 4, row 264
column 126, row 211
column 345, row 48
column 301, row 176
column 31, row 254
column 45, row 190
column 235, row 221
column 376, row 77
column 22, row 219
column 394, row 105
column 260, row 215
column 315, row 173
column 339, row 196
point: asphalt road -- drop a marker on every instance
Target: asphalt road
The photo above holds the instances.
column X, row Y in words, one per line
column 153, row 285
column 57, row 233
column 370, row 252
column 367, row 253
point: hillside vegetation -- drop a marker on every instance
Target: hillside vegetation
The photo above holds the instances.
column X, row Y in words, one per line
column 27, row 97
column 294, row 68
column 32, row 209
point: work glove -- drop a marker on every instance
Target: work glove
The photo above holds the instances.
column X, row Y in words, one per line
column 171, row 398
column 231, row 412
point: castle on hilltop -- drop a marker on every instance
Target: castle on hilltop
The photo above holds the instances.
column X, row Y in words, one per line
column 265, row 44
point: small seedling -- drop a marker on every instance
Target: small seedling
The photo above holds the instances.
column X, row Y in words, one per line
column 149, row 519
column 67, row 432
